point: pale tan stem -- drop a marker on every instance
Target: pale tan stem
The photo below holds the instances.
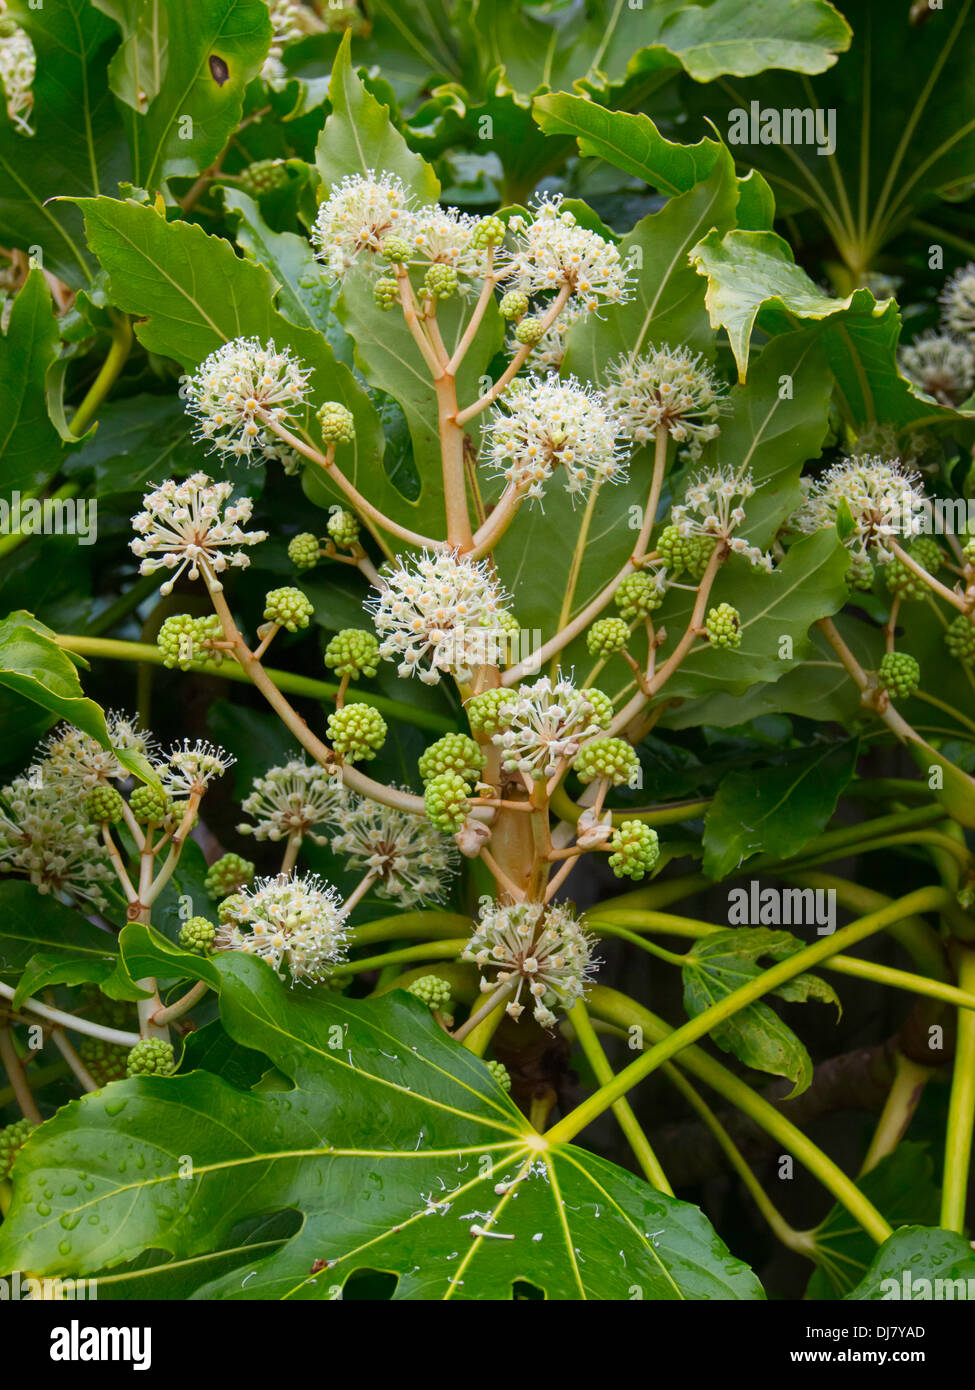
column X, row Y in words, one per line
column 359, row 892
column 182, row 1006
column 410, row 314
column 555, row 883
column 964, row 605
column 116, row 858
column 175, row 850
column 891, row 628
column 134, row 828
column 459, row 534
column 84, row 1076
column 15, row 1072
column 291, row 852
column 502, row 878
column 517, row 362
column 78, row 1025
column 487, row 536
column 476, row 318
column 487, row 1007
column 266, row 641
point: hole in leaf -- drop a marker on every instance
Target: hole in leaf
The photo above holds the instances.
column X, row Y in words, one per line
column 369, row 1285
column 522, row 1292
column 218, row 69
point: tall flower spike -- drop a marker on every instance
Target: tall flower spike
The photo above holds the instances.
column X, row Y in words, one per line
column 543, row 948
column 713, row 508
column 235, row 387
column 554, row 251
column 358, row 216
column 958, row 302
column 44, row 835
column 189, row 526
column 883, row 498
column 546, row 425
column 191, row 767
column 17, row 67
column 79, row 762
column 413, row 860
column 672, row 387
column 296, row 924
column 293, row 799
column 546, row 722
column 441, row 610
column 942, row 366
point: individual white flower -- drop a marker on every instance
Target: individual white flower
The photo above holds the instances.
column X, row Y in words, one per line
column 413, row 860
column 942, row 366
column 549, row 352
column 236, row 387
column 543, row 948
column 359, row 214
column 17, row 67
column 554, row 251
column 80, row 763
column 546, row 425
column 440, row 609
column 882, row 497
column 672, row 387
column 188, row 525
column 296, row 924
column 45, row 835
column 958, row 302
column 547, row 722
column 442, row 236
column 293, row 799
column 191, row 767
column 712, row 508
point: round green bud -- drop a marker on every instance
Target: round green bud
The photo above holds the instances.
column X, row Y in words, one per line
column 230, row 909
column 500, row 1073
column 490, row 231
column 386, row 292
column 635, row 849
column 432, row 990
column 105, row 805
column 197, row 935
column 440, row 281
column 673, row 549
column 927, row 552
column 529, row 331
column 263, row 176
column 12, row 1139
column 445, row 798
column 343, row 527
column 507, row 622
column 861, row 573
column 902, row 581
column 288, row 607
column 723, row 626
column 513, row 305
column 304, row 551
column 969, row 550
column 899, row 674
column 452, row 753
column 227, row 874
column 484, row 711
column 147, row 804
column 104, row 1060
column 607, row 636
column 395, row 250
column 611, row 758
column 353, row 652
column 699, row 552
column 637, row 596
column 151, row 1057
column 357, row 732
column 602, row 707
column 338, row 424
column 176, row 641
column 960, row 639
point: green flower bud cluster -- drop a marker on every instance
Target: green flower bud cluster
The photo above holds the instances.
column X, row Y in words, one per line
column 343, row 527
column 607, row 636
column 183, row 641
column 288, row 607
column 606, row 757
column 637, row 596
column 635, row 849
column 723, row 626
column 901, row 580
column 149, row 804
column 500, row 1073
column 861, row 573
column 432, row 990
column 304, row 551
column 263, row 176
column 197, row 935
column 969, row 550
column 227, row 874
column 440, row 281
column 513, row 305
column 680, row 553
column 395, row 250
column 529, row 331
column 483, row 711
column 338, row 424
column 151, row 1057
column 445, row 797
column 12, row 1138
column 386, row 292
column 490, row 231
column 231, row 908
column 452, row 753
column 105, row 804
column 104, row 1060
column 353, row 652
column 357, row 732
column 899, row 674
column 960, row 639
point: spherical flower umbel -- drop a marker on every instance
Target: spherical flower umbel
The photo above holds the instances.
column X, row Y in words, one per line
column 547, row 722
column 352, row 652
column 713, row 509
column 192, row 526
column 883, row 498
column 439, row 613
column 80, row 763
column 191, row 767
column 293, row 799
column 942, row 366
column 445, row 237
column 17, row 67
column 227, row 874
column 670, row 388
column 544, row 426
column 296, row 924
column 237, row 389
column 359, row 214
column 289, row 608
column 542, row 949
column 899, row 674
column 958, row 302
column 357, row 732
column 413, row 860
column 46, row 834
column 635, row 850
column 610, row 759
column 555, row 252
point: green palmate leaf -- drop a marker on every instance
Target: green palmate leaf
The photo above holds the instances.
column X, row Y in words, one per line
column 136, row 72
column 32, row 664
column 45, row 943
column 919, row 1263
column 386, row 1110
column 719, row 964
column 30, row 447
column 139, row 440
column 775, row 810
column 903, row 1190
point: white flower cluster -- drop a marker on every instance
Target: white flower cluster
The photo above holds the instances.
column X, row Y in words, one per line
column 942, row 366
column 360, row 214
column 17, row 68
column 413, row 860
column 191, row 767
column 881, row 497
column 45, row 834
column 443, row 236
column 543, row 948
column 547, row 722
column 296, row 924
column 439, row 609
column 237, row 389
column 290, row 21
column 958, row 302
column 669, row 387
column 292, row 800
column 712, row 508
column 546, row 425
column 78, row 762
column 554, row 252
column 188, row 526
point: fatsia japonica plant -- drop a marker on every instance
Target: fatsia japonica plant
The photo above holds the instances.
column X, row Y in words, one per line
column 487, row 681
